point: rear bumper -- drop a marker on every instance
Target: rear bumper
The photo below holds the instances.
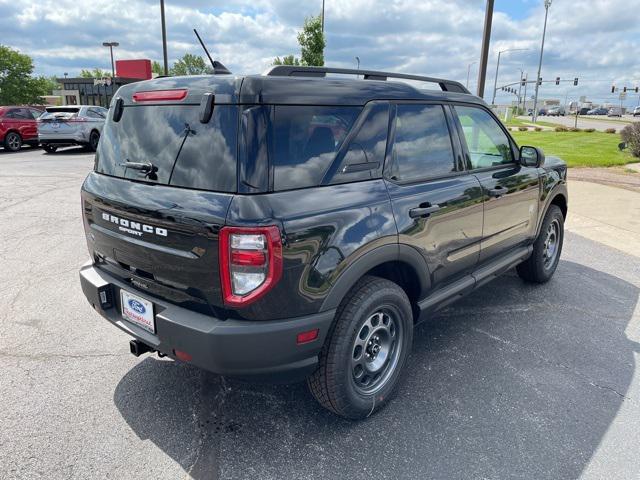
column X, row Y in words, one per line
column 74, row 138
column 256, row 350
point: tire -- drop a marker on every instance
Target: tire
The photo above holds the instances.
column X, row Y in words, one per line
column 94, row 138
column 13, row 142
column 50, row 148
column 541, row 265
column 371, row 337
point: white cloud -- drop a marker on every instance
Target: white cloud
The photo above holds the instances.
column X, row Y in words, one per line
column 595, row 41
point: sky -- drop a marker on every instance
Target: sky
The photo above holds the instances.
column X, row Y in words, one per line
column 595, row 40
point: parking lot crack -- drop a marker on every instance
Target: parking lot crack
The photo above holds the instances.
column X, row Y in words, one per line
column 543, row 358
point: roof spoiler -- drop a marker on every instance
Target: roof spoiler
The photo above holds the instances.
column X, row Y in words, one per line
column 297, row 71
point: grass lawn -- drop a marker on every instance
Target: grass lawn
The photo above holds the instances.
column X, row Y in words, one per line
column 578, row 149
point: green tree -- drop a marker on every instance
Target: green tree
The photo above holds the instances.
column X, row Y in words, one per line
column 190, row 65
column 288, row 60
column 157, row 68
column 17, row 85
column 312, row 43
column 95, row 73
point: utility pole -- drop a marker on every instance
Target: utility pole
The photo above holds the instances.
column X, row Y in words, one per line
column 547, row 4
column 322, row 17
column 468, row 72
column 484, row 53
column 520, row 89
column 164, row 39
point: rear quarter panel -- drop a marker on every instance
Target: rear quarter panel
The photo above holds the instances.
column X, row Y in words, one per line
column 325, row 230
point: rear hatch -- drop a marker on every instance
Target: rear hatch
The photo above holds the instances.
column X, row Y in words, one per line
column 58, row 120
column 164, row 177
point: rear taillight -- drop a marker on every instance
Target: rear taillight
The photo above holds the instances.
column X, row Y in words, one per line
column 160, row 95
column 250, row 263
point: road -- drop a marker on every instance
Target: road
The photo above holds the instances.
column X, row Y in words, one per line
column 514, row 381
column 600, row 123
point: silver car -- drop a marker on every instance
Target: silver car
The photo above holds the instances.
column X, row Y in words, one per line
column 71, row 125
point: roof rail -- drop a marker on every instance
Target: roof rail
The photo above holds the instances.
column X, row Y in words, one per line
column 298, row 71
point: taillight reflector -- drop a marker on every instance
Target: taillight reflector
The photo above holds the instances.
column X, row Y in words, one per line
column 159, row 95
column 250, row 263
column 184, row 356
column 306, row 337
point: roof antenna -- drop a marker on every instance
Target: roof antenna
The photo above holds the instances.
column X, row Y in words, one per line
column 218, row 68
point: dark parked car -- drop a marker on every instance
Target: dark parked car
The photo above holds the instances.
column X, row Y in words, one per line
column 18, row 126
column 289, row 226
column 584, row 111
column 543, row 111
column 598, row 111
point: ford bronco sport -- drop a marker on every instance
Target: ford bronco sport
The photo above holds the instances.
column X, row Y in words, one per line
column 298, row 224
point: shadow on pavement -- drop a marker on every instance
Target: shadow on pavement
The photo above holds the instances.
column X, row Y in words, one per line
column 514, row 381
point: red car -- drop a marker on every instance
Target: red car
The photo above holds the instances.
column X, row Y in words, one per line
column 18, row 125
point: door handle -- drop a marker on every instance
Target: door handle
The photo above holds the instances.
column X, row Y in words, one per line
column 423, row 210
column 497, row 191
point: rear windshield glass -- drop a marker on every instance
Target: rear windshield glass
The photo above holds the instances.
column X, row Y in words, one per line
column 306, row 141
column 59, row 113
column 171, row 141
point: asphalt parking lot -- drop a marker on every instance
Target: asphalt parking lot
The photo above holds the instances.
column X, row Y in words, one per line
column 515, row 381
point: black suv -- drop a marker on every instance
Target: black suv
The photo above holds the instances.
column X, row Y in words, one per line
column 298, row 224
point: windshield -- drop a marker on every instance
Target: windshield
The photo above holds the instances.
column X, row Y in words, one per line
column 169, row 145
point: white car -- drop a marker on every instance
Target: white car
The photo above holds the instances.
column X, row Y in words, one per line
column 71, row 125
column 636, row 111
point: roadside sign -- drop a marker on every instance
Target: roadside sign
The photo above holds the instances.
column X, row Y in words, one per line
column 102, row 81
column 583, row 99
column 623, row 95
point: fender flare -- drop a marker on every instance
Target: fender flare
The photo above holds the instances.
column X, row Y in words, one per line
column 558, row 189
column 378, row 256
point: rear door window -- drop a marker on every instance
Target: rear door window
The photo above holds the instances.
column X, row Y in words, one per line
column 422, row 146
column 182, row 151
column 307, row 139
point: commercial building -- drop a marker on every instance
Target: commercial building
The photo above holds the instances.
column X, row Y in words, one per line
column 99, row 91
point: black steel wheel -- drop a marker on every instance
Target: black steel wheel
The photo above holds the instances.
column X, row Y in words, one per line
column 542, row 263
column 361, row 362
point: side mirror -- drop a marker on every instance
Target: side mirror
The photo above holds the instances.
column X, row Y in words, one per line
column 531, row 157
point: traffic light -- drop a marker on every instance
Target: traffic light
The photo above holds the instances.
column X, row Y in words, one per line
column 624, row 89
column 540, row 81
column 637, row 89
column 557, row 80
column 613, row 89
column 523, row 82
column 575, row 82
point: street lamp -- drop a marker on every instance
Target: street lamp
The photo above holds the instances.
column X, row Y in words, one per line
column 111, row 45
column 495, row 83
column 358, row 60
column 468, row 71
column 547, row 4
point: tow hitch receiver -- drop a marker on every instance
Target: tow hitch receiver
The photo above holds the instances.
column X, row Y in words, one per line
column 138, row 348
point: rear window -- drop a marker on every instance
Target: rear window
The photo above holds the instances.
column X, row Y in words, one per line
column 183, row 151
column 307, row 139
column 60, row 113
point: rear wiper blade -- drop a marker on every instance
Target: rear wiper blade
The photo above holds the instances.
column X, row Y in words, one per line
column 142, row 166
column 148, row 168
